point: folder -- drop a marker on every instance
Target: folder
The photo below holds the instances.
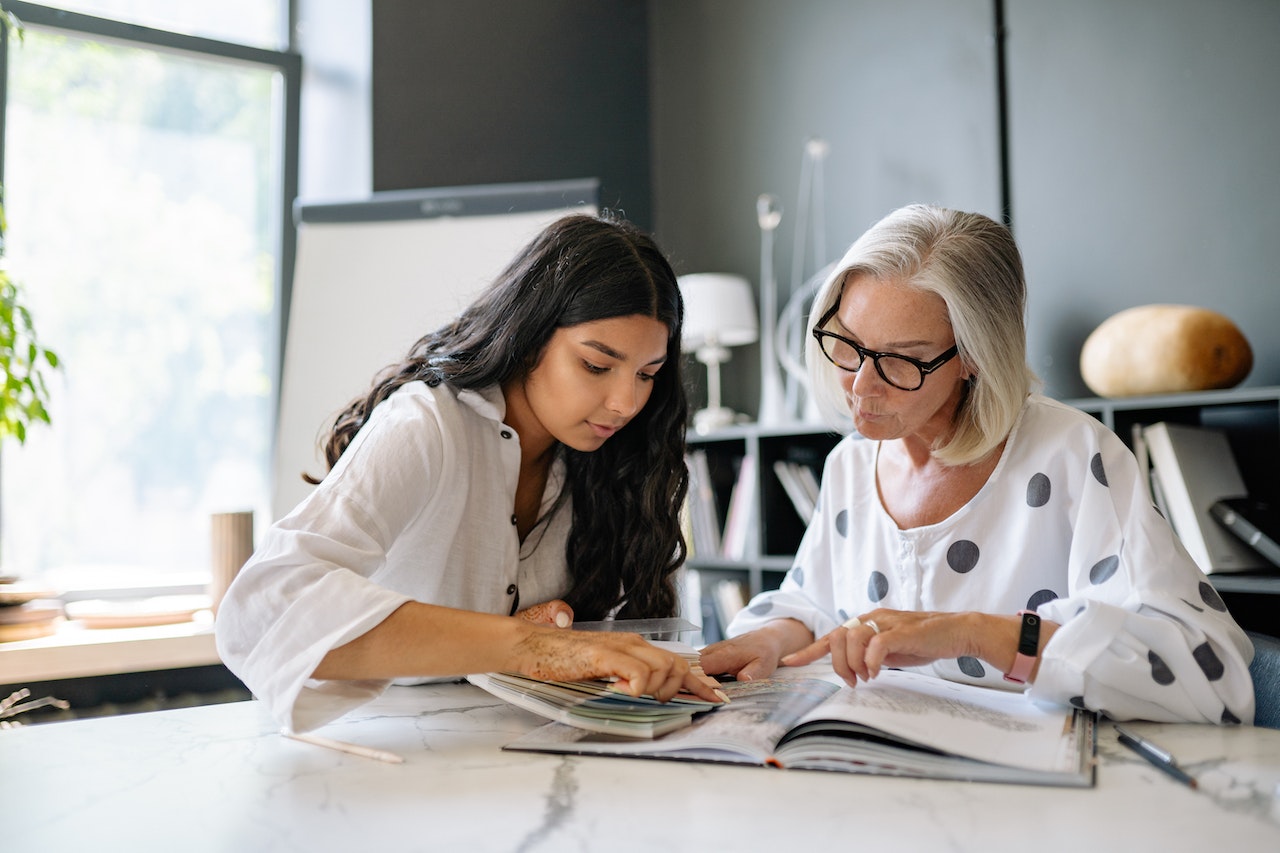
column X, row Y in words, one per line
column 1194, row 467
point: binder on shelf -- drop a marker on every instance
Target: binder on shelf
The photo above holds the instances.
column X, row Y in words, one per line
column 1255, row 523
column 1194, row 467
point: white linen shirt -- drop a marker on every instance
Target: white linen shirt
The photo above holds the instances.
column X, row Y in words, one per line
column 1063, row 527
column 419, row 507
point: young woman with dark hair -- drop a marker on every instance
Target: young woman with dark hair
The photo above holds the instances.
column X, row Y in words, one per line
column 524, row 460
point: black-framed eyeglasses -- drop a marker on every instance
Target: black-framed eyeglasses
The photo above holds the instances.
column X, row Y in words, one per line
column 900, row 371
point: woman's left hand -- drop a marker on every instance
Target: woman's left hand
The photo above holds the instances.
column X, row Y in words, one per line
column 892, row 638
column 555, row 613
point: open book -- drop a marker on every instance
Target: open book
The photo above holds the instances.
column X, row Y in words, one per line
column 900, row 724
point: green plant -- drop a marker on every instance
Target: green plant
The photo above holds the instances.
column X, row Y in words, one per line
column 25, row 394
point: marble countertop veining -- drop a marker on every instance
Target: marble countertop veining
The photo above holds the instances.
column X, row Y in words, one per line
column 221, row 778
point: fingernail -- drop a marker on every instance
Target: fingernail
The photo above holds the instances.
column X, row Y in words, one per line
column 563, row 620
column 724, row 697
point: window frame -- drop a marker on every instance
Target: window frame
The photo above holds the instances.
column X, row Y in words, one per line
column 288, row 62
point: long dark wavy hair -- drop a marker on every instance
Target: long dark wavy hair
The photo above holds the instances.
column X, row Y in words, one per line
column 625, row 541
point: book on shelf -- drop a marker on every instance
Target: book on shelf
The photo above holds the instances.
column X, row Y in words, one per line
column 1192, row 467
column 730, row 596
column 703, row 513
column 737, row 523
column 1256, row 523
column 899, row 724
column 1139, row 444
column 801, row 489
column 700, row 607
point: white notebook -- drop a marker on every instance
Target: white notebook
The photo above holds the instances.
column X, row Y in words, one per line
column 1195, row 467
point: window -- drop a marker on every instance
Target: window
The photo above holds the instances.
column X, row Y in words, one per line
column 148, row 176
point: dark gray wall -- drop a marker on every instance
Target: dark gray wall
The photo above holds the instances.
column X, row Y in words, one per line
column 493, row 91
column 1145, row 150
column 904, row 93
column 1143, row 133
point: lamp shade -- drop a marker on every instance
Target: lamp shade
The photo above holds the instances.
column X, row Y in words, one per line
column 719, row 310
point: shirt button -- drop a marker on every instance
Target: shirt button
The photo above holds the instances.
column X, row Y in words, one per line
column 511, row 590
column 514, row 520
column 506, row 433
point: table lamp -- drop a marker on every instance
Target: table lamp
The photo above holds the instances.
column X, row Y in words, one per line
column 719, row 312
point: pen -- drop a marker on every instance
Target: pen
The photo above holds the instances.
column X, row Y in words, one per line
column 343, row 746
column 1161, row 758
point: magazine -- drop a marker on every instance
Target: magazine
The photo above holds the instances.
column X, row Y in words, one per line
column 597, row 705
column 899, row 724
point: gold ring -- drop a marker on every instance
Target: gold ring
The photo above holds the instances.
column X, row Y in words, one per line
column 851, row 623
column 871, row 623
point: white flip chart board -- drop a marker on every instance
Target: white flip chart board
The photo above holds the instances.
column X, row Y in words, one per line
column 372, row 277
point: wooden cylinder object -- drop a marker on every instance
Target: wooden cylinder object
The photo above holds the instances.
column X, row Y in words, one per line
column 231, row 547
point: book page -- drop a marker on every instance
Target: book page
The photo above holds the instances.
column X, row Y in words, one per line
column 960, row 719
column 745, row 730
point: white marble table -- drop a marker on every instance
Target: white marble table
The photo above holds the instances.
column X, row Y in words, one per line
column 220, row 778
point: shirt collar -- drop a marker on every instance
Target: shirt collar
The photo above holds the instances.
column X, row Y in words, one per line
column 487, row 402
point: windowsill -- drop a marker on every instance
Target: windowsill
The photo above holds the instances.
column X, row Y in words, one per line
column 78, row 652
column 123, row 584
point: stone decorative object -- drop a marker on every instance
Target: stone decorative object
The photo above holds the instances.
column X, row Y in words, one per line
column 1164, row 349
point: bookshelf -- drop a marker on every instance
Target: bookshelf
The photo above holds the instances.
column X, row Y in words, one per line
column 1249, row 416
column 774, row 527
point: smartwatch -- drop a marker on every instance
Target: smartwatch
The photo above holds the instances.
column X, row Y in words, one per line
column 1028, row 648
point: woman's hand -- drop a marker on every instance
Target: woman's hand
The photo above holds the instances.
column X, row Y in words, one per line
column 890, row 638
column 555, row 612
column 755, row 654
column 639, row 667
column 914, row 638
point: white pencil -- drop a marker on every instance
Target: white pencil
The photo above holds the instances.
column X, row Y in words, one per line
column 343, row 746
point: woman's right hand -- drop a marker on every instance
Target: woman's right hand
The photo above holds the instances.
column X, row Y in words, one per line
column 640, row 667
column 755, row 654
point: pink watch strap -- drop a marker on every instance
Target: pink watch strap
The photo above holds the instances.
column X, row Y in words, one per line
column 1028, row 648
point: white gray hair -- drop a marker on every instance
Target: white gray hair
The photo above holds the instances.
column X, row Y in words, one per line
column 973, row 264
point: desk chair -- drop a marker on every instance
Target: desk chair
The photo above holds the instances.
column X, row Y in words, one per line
column 1265, row 670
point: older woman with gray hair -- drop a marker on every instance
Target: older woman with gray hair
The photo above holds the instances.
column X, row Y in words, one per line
column 969, row 526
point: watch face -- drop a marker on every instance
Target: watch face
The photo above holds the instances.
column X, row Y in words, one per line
column 1029, row 639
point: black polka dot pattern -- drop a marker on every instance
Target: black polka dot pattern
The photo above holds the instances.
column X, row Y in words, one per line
column 1210, row 665
column 1095, row 466
column 1210, row 596
column 971, row 666
column 962, row 556
column 1104, row 569
column 1039, row 597
column 877, row 586
column 1038, row 489
column 1160, row 672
